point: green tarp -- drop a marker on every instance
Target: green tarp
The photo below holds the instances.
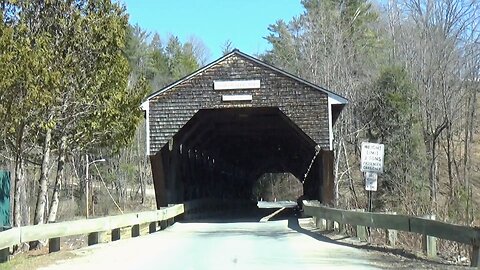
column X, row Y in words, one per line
column 4, row 199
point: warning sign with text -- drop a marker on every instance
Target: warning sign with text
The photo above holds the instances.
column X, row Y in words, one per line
column 372, row 157
column 371, row 181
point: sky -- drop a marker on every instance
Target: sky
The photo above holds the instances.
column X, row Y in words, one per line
column 243, row 22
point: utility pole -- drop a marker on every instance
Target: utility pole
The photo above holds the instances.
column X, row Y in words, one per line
column 87, row 182
column 86, row 187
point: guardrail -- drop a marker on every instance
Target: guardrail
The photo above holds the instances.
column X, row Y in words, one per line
column 92, row 227
column 427, row 227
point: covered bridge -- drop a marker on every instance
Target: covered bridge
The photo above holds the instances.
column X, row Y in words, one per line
column 213, row 133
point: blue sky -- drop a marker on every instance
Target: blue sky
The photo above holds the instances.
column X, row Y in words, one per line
column 244, row 22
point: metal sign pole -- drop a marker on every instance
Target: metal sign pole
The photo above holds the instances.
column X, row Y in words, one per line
column 370, row 201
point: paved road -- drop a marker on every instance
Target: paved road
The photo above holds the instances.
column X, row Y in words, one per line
column 236, row 245
column 279, row 204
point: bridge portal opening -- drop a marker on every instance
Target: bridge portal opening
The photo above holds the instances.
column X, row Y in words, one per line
column 221, row 153
column 274, row 187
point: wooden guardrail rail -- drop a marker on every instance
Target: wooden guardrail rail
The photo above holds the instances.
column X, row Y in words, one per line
column 427, row 227
column 97, row 226
column 92, row 227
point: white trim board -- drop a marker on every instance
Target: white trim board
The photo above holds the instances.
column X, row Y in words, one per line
column 330, row 120
column 236, row 84
column 146, row 107
column 228, row 98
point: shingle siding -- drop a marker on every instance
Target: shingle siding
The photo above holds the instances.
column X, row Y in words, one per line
column 306, row 106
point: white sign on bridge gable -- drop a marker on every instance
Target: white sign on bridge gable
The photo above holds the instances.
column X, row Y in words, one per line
column 372, row 157
column 237, row 84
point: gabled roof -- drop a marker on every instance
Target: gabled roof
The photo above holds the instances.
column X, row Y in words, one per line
column 339, row 99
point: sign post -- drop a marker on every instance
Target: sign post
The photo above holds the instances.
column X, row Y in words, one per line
column 371, row 164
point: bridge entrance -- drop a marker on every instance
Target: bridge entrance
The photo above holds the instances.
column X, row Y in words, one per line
column 272, row 187
column 215, row 132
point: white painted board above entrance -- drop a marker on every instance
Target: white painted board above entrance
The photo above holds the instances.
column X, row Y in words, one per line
column 236, row 84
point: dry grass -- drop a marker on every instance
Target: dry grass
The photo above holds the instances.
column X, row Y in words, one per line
column 37, row 259
column 40, row 258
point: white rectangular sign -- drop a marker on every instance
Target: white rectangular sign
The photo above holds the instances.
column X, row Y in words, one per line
column 238, row 84
column 371, row 181
column 372, row 157
column 237, row 98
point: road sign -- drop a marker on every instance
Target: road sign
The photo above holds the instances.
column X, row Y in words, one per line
column 371, row 181
column 372, row 157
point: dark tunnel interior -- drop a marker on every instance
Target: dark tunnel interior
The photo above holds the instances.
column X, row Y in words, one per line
column 220, row 153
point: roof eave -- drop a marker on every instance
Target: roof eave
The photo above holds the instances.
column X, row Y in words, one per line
column 330, row 93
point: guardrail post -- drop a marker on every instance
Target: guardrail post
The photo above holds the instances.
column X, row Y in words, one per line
column 116, row 234
column 362, row 234
column 162, row 224
column 391, row 235
column 339, row 227
column 53, row 244
column 329, row 225
column 320, row 223
column 361, row 231
column 429, row 243
column 93, row 238
column 475, row 257
column 170, row 221
column 152, row 227
column 4, row 254
column 136, row 230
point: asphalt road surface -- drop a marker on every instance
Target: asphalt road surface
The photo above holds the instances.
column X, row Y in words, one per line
column 275, row 245
column 279, row 204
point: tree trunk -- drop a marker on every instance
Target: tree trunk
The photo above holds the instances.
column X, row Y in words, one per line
column 336, row 179
column 20, row 209
column 350, row 179
column 432, row 175
column 19, row 185
column 450, row 158
column 20, row 204
column 141, row 170
column 52, row 216
column 469, row 123
column 39, row 217
column 432, row 144
column 42, row 192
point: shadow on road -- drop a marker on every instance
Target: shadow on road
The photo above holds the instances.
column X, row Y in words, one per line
column 293, row 224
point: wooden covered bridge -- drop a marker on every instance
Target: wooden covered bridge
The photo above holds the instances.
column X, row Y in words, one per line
column 213, row 133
